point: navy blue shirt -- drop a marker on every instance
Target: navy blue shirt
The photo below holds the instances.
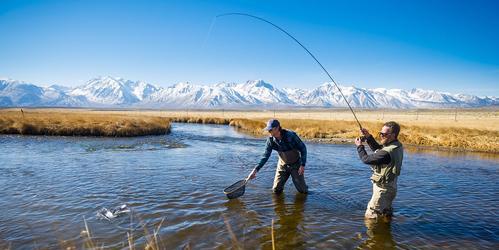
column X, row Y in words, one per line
column 289, row 141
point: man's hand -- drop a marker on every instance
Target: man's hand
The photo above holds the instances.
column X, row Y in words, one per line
column 301, row 170
column 365, row 132
column 252, row 175
column 358, row 141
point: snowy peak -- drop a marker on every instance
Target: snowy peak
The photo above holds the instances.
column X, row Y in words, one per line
column 26, row 94
column 114, row 91
column 16, row 93
column 259, row 84
column 262, row 92
column 141, row 89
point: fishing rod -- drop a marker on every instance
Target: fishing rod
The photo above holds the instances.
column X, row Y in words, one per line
column 310, row 53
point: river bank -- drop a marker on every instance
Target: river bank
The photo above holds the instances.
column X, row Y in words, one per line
column 45, row 122
column 477, row 132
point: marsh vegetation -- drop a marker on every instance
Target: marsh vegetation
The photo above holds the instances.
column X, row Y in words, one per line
column 456, row 130
column 45, row 122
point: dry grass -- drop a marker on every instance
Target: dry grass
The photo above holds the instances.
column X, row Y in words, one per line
column 199, row 119
column 478, row 140
column 452, row 129
column 152, row 240
column 31, row 122
column 487, row 119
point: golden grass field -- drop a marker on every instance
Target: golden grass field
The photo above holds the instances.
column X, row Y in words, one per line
column 69, row 123
column 450, row 129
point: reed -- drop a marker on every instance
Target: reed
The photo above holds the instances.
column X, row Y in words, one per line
column 272, row 235
column 80, row 124
column 152, row 240
column 235, row 242
column 200, row 119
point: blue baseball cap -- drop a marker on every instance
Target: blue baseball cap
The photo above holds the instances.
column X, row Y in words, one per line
column 272, row 123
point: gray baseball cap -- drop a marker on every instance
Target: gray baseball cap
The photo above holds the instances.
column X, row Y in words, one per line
column 272, row 123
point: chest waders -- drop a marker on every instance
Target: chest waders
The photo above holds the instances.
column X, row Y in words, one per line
column 289, row 163
column 386, row 173
column 289, row 157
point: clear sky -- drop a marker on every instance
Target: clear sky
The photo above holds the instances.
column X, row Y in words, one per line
column 450, row 46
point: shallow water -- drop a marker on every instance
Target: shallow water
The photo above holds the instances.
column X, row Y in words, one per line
column 51, row 184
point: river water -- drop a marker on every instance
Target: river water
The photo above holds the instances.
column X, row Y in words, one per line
column 173, row 185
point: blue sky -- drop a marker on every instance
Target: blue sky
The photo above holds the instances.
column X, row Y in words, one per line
column 448, row 46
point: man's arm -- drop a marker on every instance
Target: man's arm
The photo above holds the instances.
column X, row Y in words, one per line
column 373, row 144
column 370, row 140
column 265, row 155
column 302, row 148
column 379, row 157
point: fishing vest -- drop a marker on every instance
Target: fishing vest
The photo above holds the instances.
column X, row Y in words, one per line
column 386, row 173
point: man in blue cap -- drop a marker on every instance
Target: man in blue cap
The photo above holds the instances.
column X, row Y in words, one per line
column 292, row 157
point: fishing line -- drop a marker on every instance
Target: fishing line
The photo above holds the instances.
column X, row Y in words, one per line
column 209, row 31
column 310, row 53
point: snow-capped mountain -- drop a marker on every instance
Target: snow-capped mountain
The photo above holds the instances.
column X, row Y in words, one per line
column 16, row 93
column 251, row 93
column 118, row 92
column 114, row 91
column 263, row 92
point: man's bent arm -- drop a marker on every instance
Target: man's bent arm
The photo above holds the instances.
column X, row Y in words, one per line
column 373, row 144
column 302, row 148
column 266, row 154
column 378, row 158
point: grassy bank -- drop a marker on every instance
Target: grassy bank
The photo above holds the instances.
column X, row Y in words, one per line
column 458, row 139
column 450, row 138
column 29, row 122
column 203, row 120
column 455, row 130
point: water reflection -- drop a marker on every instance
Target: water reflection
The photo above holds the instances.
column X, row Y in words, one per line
column 288, row 228
column 452, row 154
column 379, row 235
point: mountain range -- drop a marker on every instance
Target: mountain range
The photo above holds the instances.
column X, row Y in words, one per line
column 114, row 92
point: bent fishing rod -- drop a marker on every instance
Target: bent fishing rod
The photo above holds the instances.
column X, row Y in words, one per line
column 310, row 53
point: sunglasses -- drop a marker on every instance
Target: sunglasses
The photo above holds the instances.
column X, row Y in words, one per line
column 383, row 134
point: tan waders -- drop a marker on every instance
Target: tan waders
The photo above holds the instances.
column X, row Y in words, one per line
column 381, row 201
column 289, row 163
column 384, row 180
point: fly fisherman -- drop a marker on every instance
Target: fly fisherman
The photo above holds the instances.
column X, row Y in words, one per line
column 386, row 162
column 292, row 157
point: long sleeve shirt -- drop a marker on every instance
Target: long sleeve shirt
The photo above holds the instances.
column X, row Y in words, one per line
column 378, row 157
column 289, row 141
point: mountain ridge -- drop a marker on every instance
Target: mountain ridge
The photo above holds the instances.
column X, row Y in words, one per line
column 110, row 91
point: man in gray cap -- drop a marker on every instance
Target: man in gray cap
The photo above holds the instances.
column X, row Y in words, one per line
column 292, row 157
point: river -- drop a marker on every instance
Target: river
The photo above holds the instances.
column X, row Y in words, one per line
column 174, row 184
